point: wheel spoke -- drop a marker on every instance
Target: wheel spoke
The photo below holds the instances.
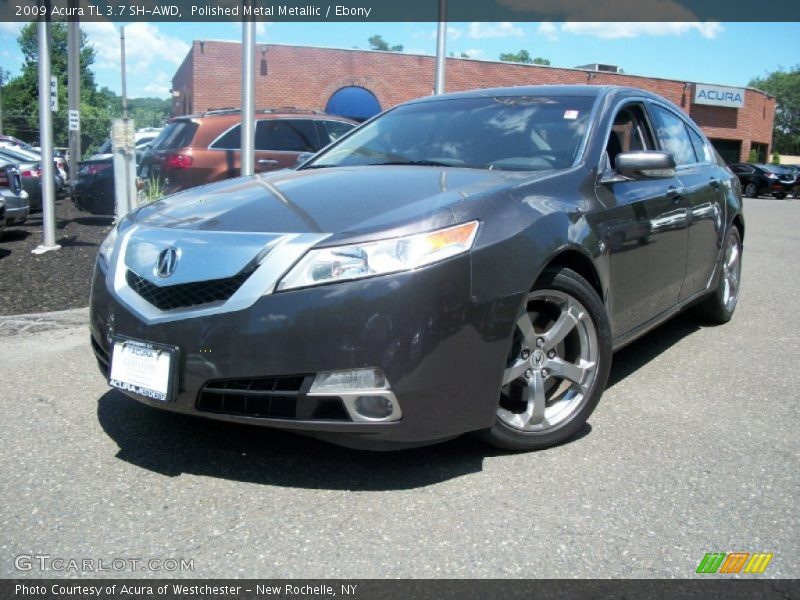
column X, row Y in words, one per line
column 572, row 372
column 566, row 322
column 733, row 255
column 515, row 371
column 526, row 328
column 534, row 394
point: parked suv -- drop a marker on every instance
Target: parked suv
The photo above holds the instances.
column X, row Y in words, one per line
column 203, row 148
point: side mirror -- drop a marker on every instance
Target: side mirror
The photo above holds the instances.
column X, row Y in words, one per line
column 301, row 158
column 645, row 164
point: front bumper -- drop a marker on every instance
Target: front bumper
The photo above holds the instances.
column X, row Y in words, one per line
column 442, row 353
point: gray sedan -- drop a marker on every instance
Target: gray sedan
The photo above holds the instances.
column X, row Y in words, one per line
column 462, row 263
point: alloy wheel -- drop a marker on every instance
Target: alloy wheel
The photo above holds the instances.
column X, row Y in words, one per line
column 552, row 365
column 731, row 272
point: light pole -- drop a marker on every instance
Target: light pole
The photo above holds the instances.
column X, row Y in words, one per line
column 441, row 39
column 46, row 143
column 247, row 154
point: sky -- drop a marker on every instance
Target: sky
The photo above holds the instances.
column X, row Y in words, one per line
column 721, row 53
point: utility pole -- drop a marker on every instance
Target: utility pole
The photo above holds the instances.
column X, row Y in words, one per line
column 46, row 142
column 124, row 79
column 74, row 94
column 441, row 39
column 2, row 79
column 122, row 138
column 247, row 154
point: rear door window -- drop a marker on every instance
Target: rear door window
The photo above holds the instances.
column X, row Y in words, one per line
column 178, row 134
column 230, row 140
column 287, row 135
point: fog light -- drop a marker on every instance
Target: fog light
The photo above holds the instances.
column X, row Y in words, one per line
column 365, row 393
column 349, row 381
column 374, row 407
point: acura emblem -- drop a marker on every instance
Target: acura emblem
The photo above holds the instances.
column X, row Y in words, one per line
column 167, row 261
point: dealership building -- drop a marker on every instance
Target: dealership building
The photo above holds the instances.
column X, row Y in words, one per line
column 360, row 83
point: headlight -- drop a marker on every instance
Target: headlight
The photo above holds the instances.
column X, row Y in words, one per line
column 106, row 250
column 356, row 261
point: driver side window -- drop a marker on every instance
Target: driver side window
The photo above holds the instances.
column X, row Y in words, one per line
column 629, row 133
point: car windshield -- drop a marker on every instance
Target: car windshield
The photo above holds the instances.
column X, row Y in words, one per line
column 516, row 133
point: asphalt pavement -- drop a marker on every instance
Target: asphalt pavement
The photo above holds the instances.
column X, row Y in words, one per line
column 694, row 448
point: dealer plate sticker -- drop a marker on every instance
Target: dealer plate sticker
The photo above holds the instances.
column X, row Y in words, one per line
column 141, row 368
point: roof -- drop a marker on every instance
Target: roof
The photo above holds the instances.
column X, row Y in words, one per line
column 590, row 91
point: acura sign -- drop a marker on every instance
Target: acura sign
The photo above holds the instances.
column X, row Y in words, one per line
column 717, row 95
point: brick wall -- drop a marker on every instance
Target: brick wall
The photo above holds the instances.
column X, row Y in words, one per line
column 305, row 77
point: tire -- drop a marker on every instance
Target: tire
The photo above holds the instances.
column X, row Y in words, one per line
column 718, row 308
column 557, row 367
column 780, row 195
column 750, row 190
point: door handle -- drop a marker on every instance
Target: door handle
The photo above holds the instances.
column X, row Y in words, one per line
column 715, row 183
column 267, row 162
column 674, row 193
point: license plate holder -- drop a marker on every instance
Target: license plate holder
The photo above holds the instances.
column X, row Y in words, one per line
column 144, row 368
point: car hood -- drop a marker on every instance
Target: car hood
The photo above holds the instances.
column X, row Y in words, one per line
column 267, row 222
column 342, row 202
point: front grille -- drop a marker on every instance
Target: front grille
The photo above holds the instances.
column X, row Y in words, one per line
column 185, row 295
column 269, row 398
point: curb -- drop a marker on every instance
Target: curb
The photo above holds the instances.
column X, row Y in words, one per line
column 11, row 325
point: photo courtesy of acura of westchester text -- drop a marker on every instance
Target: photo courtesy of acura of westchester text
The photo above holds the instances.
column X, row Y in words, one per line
column 370, row 300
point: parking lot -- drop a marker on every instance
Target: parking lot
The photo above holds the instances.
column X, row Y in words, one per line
column 693, row 449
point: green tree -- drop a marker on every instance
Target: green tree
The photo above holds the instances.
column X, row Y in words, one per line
column 776, row 158
column 98, row 106
column 523, row 56
column 376, row 42
column 753, row 156
column 785, row 86
column 22, row 93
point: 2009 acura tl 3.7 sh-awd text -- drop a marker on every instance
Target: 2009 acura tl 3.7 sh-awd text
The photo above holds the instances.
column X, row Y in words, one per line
column 461, row 263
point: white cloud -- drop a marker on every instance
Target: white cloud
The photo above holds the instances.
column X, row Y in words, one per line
column 548, row 31
column 146, row 47
column 11, row 28
column 453, row 33
column 709, row 30
column 158, row 86
column 151, row 57
column 474, row 52
column 479, row 31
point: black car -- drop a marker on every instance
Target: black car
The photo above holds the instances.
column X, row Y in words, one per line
column 759, row 180
column 461, row 263
column 795, row 171
column 93, row 188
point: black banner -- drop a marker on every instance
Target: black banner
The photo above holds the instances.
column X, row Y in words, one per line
column 408, row 10
column 417, row 589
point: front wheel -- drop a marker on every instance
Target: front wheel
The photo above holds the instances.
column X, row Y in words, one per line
column 750, row 190
column 557, row 366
